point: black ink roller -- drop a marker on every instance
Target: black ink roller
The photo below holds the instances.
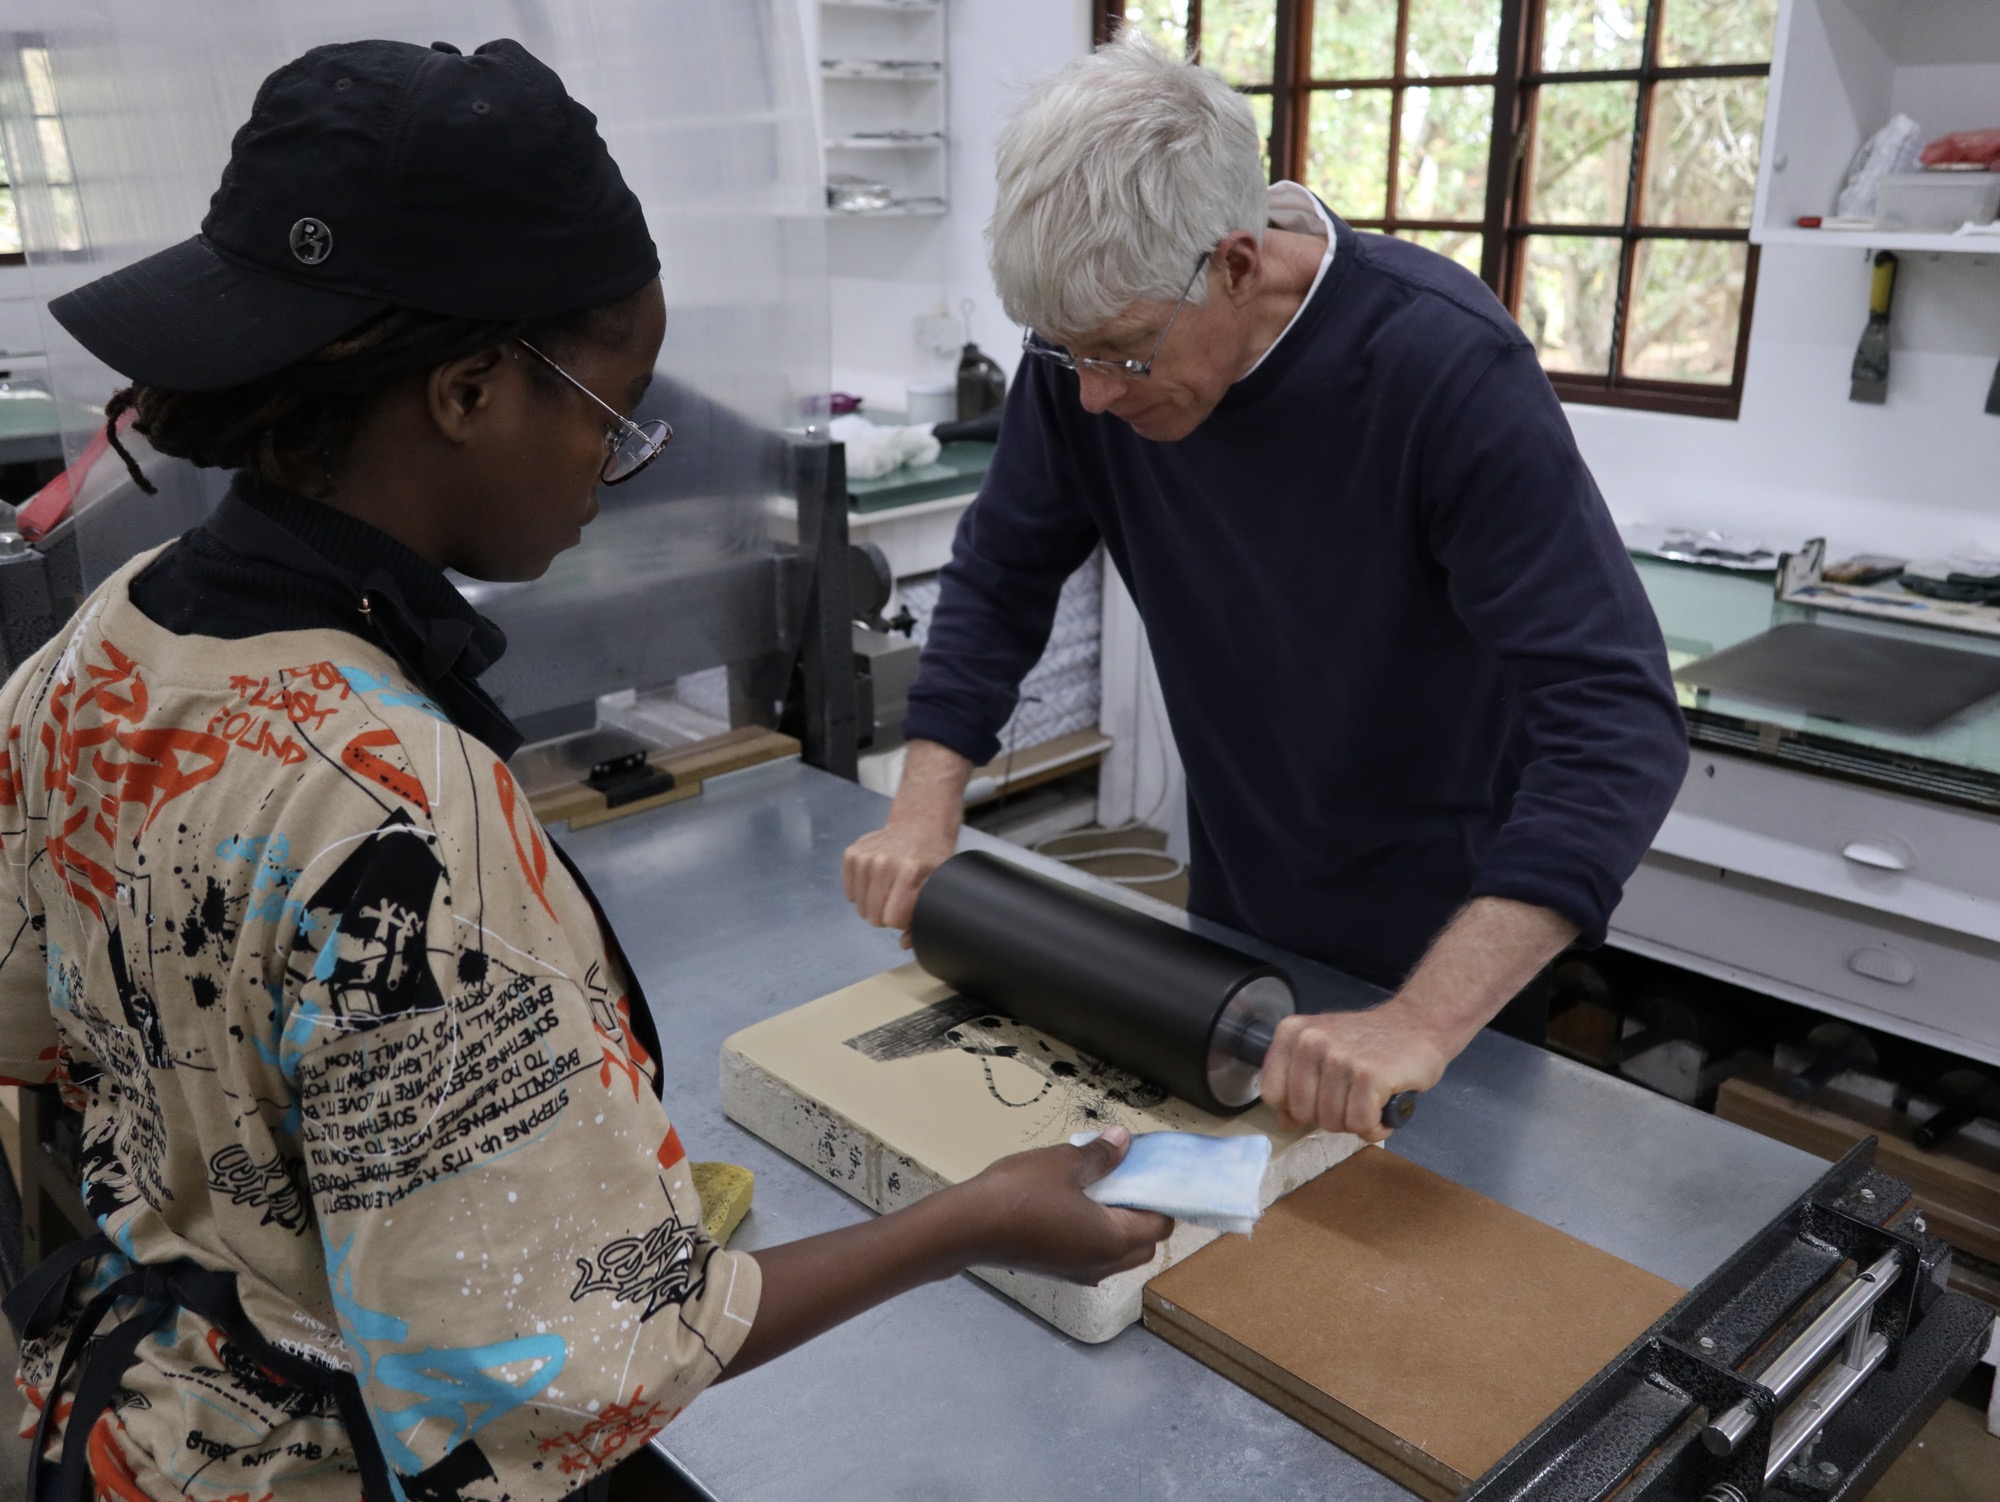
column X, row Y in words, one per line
column 1191, row 1015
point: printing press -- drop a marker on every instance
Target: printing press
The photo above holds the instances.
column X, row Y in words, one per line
column 1800, row 1368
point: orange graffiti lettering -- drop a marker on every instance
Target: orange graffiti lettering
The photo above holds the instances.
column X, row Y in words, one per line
column 109, row 1468
column 297, row 704
column 671, row 1151
column 533, row 857
column 358, row 756
column 324, row 677
column 604, row 1438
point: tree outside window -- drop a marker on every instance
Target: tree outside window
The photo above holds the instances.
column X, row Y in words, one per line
column 1593, row 160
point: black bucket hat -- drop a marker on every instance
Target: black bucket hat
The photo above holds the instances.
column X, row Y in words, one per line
column 377, row 175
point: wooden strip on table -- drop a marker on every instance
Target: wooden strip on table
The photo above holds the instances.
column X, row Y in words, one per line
column 581, row 805
column 1956, row 1184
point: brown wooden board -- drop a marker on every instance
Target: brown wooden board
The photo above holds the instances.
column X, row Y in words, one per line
column 1418, row 1325
column 581, row 806
column 1956, row 1183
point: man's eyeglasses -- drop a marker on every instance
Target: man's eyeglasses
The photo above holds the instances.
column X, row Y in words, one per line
column 631, row 445
column 1033, row 343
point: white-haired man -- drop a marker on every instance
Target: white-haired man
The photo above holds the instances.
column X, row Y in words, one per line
column 1423, row 705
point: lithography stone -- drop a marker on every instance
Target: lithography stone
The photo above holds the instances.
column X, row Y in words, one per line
column 897, row 1086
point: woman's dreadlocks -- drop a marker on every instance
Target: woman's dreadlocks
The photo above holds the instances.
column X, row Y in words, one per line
column 305, row 415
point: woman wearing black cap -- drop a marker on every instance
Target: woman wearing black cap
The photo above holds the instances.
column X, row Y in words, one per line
column 386, row 1196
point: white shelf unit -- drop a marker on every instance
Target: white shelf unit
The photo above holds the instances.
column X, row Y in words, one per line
column 1839, row 70
column 882, row 101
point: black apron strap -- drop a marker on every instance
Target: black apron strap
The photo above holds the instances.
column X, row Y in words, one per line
column 36, row 1305
column 213, row 1296
column 102, row 1373
column 33, row 1305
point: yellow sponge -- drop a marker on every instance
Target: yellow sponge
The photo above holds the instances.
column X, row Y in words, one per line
column 725, row 1197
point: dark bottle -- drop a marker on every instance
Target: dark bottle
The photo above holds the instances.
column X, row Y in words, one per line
column 982, row 385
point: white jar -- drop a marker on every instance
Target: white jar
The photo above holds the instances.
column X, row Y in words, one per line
column 930, row 401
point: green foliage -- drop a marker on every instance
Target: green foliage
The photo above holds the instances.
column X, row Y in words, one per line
column 1590, row 36
column 1347, row 150
column 1447, row 135
column 1354, row 39
column 1701, row 153
column 1165, row 21
column 1239, row 39
column 1569, row 291
column 1687, row 300
column 1582, row 161
column 1697, row 32
column 1453, row 38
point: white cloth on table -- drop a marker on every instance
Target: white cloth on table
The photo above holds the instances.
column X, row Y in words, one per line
column 873, row 450
column 1205, row 1181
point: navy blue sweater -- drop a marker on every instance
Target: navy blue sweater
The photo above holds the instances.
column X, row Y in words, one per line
column 1405, row 656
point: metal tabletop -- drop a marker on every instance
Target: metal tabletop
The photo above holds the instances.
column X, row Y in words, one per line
column 729, row 906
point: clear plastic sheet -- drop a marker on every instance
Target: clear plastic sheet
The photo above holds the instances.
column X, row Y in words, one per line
column 707, row 109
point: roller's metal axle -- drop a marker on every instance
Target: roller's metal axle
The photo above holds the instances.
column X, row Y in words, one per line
column 1253, row 1040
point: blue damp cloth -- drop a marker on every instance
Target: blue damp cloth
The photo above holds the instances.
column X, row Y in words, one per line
column 1205, row 1181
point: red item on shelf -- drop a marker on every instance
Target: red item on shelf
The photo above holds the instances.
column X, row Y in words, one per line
column 43, row 512
column 1977, row 146
column 1810, row 221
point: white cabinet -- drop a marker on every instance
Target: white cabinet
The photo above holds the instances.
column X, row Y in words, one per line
column 1839, row 70
column 1865, row 904
column 882, row 106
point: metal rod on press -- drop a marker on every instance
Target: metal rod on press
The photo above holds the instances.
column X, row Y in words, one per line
column 1820, row 1402
column 1784, row 1374
column 1254, row 1039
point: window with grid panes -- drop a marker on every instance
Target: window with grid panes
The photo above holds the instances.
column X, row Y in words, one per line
column 48, row 144
column 1593, row 160
column 11, row 253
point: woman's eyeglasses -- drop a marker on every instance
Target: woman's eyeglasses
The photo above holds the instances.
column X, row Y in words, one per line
column 632, row 445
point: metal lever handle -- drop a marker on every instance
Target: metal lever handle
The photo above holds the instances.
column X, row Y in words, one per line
column 1253, row 1040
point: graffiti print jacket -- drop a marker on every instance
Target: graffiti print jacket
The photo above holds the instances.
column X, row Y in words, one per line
column 338, row 1023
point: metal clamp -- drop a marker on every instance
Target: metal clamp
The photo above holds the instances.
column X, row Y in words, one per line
column 1846, row 1318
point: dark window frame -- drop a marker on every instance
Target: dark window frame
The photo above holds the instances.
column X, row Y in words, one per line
column 1505, row 226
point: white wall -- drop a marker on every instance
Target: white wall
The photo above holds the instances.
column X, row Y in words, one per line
column 20, row 314
column 1913, row 477
column 887, row 273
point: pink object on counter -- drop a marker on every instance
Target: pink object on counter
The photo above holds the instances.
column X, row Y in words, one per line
column 1973, row 147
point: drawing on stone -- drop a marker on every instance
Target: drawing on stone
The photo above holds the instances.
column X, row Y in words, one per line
column 1023, row 1069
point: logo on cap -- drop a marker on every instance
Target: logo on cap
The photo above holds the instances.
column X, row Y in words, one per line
column 312, row 241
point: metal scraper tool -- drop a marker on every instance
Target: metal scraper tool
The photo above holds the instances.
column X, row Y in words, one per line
column 1251, row 1041
column 1871, row 359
